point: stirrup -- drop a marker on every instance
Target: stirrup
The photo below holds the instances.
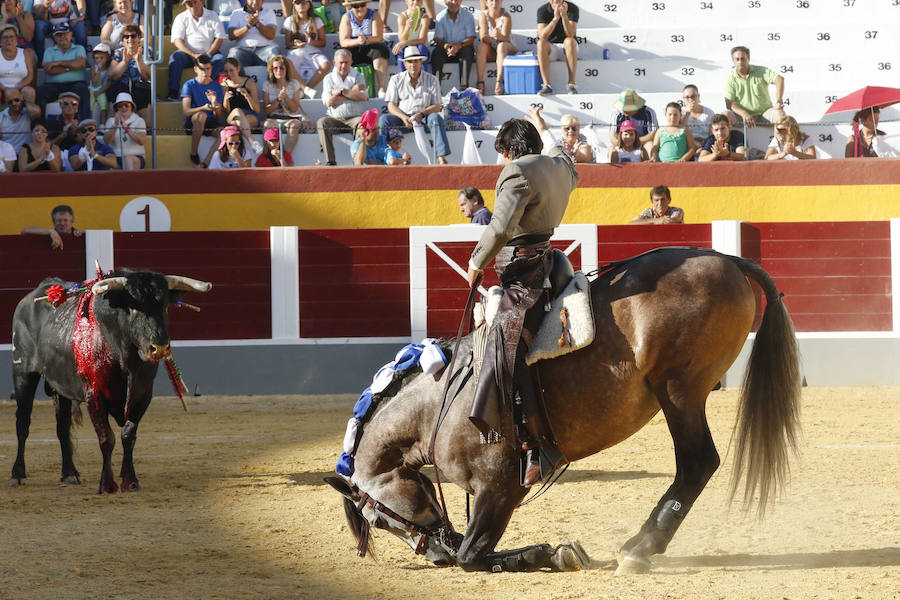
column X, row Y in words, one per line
column 533, row 469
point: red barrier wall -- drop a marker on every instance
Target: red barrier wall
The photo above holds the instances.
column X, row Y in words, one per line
column 354, row 283
column 835, row 276
column 615, row 242
column 25, row 261
column 236, row 262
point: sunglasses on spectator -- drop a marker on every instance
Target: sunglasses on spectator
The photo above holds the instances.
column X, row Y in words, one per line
column 40, row 131
column 129, row 36
column 277, row 67
column 69, row 103
column 690, row 96
column 570, row 128
column 14, row 100
column 88, row 129
column 8, row 37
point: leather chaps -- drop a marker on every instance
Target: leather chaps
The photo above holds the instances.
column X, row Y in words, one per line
column 524, row 272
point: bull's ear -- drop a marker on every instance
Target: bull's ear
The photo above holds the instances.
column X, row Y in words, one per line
column 341, row 485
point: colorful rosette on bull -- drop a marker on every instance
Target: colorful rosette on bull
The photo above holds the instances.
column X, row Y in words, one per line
column 56, row 295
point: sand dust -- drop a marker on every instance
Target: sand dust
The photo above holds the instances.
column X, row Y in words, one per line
column 233, row 506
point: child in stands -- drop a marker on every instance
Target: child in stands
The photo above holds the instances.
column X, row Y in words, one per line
column 629, row 149
column 395, row 154
column 100, row 80
column 672, row 142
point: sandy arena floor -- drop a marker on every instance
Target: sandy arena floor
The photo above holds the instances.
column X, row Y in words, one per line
column 233, row 506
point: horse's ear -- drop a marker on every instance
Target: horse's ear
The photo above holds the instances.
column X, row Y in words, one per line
column 343, row 488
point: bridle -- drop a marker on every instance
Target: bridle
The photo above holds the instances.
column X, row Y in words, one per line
column 442, row 534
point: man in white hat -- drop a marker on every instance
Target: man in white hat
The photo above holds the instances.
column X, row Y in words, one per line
column 414, row 96
column 64, row 71
column 62, row 129
column 195, row 31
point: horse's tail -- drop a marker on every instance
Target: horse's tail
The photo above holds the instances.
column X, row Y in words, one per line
column 768, row 416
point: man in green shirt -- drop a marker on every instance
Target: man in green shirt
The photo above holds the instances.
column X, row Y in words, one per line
column 747, row 91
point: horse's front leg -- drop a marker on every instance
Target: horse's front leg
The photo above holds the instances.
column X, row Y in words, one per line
column 492, row 511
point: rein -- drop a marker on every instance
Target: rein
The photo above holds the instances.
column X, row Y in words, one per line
column 445, row 406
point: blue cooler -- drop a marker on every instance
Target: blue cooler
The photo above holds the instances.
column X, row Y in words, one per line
column 521, row 74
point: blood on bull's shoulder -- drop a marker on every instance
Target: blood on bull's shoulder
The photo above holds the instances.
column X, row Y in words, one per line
column 98, row 342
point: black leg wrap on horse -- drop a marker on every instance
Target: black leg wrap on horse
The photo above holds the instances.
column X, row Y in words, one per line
column 530, row 558
column 668, row 520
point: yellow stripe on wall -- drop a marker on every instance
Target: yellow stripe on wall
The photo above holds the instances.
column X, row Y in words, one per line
column 397, row 209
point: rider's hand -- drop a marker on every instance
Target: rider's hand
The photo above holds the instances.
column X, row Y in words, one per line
column 473, row 275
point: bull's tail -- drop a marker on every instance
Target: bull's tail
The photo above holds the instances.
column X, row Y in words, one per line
column 767, row 424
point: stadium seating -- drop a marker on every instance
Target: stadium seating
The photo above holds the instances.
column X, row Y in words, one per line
column 824, row 50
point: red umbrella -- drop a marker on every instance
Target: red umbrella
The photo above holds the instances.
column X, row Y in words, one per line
column 866, row 97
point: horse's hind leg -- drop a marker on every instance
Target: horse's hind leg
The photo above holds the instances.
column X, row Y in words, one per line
column 69, row 473
column 696, row 460
column 489, row 520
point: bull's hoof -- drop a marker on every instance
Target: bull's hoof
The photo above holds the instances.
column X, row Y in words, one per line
column 570, row 556
column 16, row 481
column 632, row 565
column 109, row 487
column 129, row 486
column 70, row 480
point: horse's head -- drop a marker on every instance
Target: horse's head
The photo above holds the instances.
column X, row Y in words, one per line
column 404, row 503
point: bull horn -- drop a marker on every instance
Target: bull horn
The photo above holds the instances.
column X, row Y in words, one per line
column 110, row 283
column 177, row 282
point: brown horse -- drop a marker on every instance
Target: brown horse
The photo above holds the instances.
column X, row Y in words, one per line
column 669, row 324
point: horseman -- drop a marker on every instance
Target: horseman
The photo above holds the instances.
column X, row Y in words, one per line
column 530, row 200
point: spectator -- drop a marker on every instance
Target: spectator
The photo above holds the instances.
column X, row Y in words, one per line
column 384, row 7
column 281, row 100
column 471, row 205
column 253, row 28
column 629, row 149
column 100, row 79
column 697, row 118
column 573, row 141
column 195, row 31
column 789, row 143
column 126, row 132
column 241, row 100
column 557, row 22
column 673, row 143
column 362, row 33
column 414, row 96
column 17, row 68
column 747, row 91
column 63, row 224
column 130, row 73
column 865, row 128
column 724, row 143
column 91, row 154
column 15, row 123
column 201, row 103
column 369, row 147
column 304, row 38
column 394, row 154
column 659, row 212
column 50, row 14
column 271, row 152
column 64, row 72
column 454, row 42
column 232, row 152
column 494, row 27
column 63, row 127
column 12, row 12
column 413, row 25
column 344, row 95
column 631, row 107
column 7, row 157
column 122, row 16
column 39, row 155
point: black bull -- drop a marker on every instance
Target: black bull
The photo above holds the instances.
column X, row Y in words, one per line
column 101, row 347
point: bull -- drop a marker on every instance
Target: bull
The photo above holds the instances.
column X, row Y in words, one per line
column 100, row 346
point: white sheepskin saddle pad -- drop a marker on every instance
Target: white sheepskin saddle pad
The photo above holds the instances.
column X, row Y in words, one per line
column 575, row 299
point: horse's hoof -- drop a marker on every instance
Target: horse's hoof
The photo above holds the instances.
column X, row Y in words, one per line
column 70, row 480
column 631, row 565
column 16, row 481
column 570, row 556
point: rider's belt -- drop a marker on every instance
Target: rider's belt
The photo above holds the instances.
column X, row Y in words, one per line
column 530, row 250
column 530, row 239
